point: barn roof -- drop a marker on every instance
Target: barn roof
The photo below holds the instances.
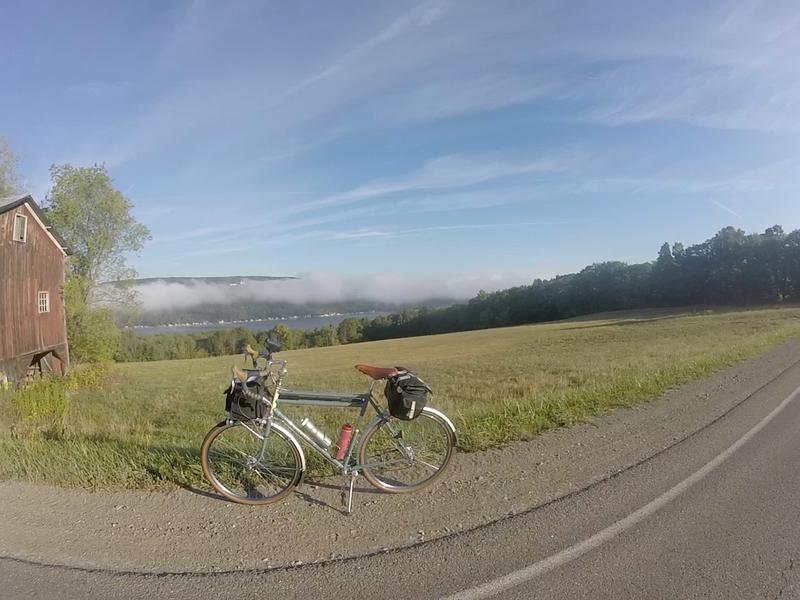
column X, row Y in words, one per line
column 13, row 202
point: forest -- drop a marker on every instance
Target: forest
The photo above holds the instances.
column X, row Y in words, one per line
column 732, row 268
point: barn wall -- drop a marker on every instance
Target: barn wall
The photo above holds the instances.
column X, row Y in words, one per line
column 25, row 270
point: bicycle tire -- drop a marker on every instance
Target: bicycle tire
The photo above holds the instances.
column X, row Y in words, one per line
column 224, row 465
column 431, row 435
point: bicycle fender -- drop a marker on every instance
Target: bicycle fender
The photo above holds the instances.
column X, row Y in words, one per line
column 444, row 418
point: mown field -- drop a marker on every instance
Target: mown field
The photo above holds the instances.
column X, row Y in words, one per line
column 141, row 424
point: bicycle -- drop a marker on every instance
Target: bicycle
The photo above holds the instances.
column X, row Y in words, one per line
column 260, row 461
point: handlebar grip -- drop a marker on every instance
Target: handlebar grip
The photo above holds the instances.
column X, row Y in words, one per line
column 241, row 376
column 251, row 395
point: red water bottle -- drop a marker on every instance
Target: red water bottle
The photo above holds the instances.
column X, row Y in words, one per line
column 344, row 441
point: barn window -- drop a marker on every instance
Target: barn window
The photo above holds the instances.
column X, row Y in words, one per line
column 44, row 302
column 20, row 228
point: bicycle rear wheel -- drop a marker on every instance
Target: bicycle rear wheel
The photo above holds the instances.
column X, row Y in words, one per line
column 406, row 456
column 240, row 467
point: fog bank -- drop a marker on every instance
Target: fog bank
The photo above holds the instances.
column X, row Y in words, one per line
column 321, row 288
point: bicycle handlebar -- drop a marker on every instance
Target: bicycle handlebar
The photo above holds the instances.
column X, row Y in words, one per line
column 254, row 354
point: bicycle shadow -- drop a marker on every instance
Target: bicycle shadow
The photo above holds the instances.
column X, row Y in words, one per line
column 314, row 501
column 204, row 493
column 330, row 486
column 301, row 495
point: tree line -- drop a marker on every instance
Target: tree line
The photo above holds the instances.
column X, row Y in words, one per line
column 731, row 268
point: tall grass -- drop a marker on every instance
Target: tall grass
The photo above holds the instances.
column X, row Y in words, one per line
column 141, row 424
column 40, row 408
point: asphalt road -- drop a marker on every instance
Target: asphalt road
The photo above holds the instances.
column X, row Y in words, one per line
column 715, row 516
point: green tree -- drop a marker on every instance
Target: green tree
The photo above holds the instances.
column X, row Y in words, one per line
column 92, row 332
column 350, row 330
column 665, row 273
column 773, row 260
column 94, row 218
column 9, row 179
column 283, row 335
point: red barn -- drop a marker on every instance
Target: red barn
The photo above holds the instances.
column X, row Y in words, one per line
column 33, row 329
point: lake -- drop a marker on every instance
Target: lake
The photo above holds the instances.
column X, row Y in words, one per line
column 308, row 322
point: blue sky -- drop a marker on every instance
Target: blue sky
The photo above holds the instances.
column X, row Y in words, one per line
column 486, row 141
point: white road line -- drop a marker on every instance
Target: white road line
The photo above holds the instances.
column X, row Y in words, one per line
column 495, row 586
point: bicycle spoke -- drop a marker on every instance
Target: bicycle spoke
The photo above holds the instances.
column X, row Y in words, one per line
column 429, row 465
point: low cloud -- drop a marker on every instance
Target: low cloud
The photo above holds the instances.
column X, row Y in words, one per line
column 323, row 288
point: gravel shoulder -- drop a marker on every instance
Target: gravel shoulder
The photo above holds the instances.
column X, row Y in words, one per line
column 183, row 531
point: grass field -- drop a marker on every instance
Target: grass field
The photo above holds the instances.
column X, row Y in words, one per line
column 141, row 424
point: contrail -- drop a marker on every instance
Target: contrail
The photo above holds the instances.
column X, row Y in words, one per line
column 727, row 209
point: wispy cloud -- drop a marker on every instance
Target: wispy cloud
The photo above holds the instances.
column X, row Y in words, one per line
column 423, row 15
column 454, row 183
column 97, row 90
column 436, row 176
column 215, row 250
column 734, row 68
column 413, row 231
column 442, row 173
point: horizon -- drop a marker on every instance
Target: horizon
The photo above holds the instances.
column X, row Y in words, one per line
column 450, row 142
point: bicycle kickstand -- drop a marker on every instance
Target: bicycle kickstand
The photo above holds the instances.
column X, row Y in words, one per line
column 347, row 498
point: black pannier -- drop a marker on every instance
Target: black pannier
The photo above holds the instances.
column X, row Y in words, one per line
column 407, row 394
column 241, row 407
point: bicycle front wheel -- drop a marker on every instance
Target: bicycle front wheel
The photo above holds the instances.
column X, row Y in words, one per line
column 239, row 464
column 406, row 456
